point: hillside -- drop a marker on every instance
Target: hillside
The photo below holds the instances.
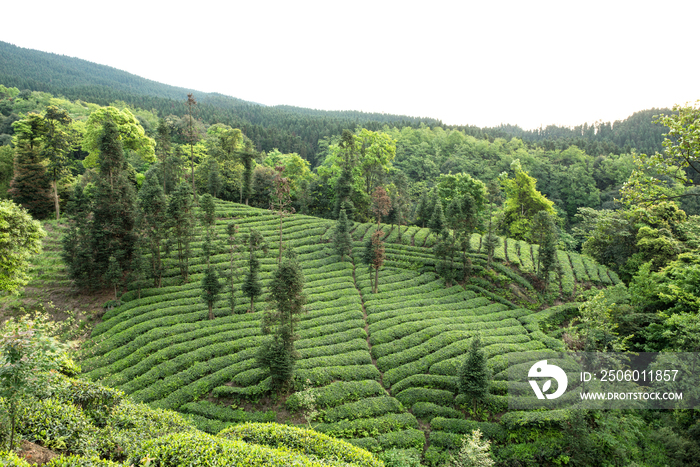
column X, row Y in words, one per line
column 383, row 366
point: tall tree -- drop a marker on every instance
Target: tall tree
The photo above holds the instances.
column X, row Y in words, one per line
column 463, row 218
column 192, row 138
column 111, row 231
column 423, row 211
column 473, row 378
column 247, row 156
column 59, row 140
column 381, row 204
column 544, row 233
column 490, row 240
column 232, row 242
column 342, row 239
column 288, row 299
column 523, row 202
column 29, row 186
column 163, row 147
column 181, row 225
column 281, row 201
column 252, row 287
column 211, row 287
column 374, row 256
column 152, row 208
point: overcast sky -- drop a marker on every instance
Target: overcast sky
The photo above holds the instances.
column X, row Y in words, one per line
column 481, row 63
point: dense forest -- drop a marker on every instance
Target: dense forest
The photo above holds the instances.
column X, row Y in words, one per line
column 180, row 206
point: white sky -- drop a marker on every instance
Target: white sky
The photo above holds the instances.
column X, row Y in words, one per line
column 480, row 63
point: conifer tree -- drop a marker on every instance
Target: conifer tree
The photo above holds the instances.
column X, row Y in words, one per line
column 437, row 220
column 342, row 239
column 288, row 300
column 423, row 211
column 29, row 186
column 252, row 287
column 374, row 256
column 233, row 246
column 281, row 202
column 543, row 232
column 114, row 274
column 491, row 240
column 152, row 222
column 58, row 141
column 181, row 225
column 211, row 287
column 163, row 146
column 473, row 377
column 444, row 252
column 344, row 185
column 247, row 156
column 192, row 138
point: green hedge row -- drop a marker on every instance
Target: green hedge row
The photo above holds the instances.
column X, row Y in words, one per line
column 409, row 397
column 450, row 366
column 239, row 348
column 490, row 295
column 365, row 408
column 337, row 393
column 227, row 414
column 167, row 388
column 455, row 301
column 357, row 357
column 299, row 440
column 578, row 267
column 332, row 335
column 364, row 427
column 448, row 383
column 334, row 349
column 324, row 376
column 427, row 411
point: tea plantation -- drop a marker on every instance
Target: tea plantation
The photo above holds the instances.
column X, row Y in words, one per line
column 381, row 366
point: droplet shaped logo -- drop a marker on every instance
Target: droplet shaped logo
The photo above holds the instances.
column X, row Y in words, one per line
column 542, row 370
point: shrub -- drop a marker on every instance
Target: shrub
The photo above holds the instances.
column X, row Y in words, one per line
column 365, row 408
column 80, row 461
column 427, row 411
column 363, row 427
column 405, row 439
column 410, row 396
column 300, row 440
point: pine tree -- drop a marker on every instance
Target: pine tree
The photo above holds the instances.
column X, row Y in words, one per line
column 374, row 255
column 473, row 377
column 444, row 252
column 233, row 246
column 181, row 225
column 544, row 233
column 114, row 274
column 423, row 211
column 29, row 186
column 163, row 146
column 437, row 220
column 288, row 299
column 192, row 138
column 211, row 287
column 151, row 220
column 58, row 141
column 247, row 157
column 342, row 239
column 252, row 287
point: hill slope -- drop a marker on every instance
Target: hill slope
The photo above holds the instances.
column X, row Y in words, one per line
column 384, row 365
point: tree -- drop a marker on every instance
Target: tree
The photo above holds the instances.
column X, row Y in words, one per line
column 288, row 299
column 490, row 240
column 423, row 211
column 20, row 237
column 114, row 274
column 444, row 251
column 29, row 186
column 473, row 377
column 341, row 238
column 473, row 453
column 664, row 176
column 211, row 287
column 233, row 246
column 163, row 147
column 192, row 137
column 152, row 207
column 252, row 287
column 58, row 142
column 27, row 353
column 544, row 233
column 374, row 256
column 437, row 221
column 463, row 218
column 381, row 204
column 281, row 201
column 181, row 224
column 247, row 156
column 522, row 202
column 131, row 135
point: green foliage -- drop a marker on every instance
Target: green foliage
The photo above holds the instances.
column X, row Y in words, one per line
column 180, row 222
column 301, row 441
column 211, row 287
column 20, row 237
column 473, row 374
column 473, row 453
column 522, row 202
column 342, row 239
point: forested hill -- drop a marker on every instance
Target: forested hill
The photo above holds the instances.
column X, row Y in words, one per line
column 635, row 132
column 289, row 129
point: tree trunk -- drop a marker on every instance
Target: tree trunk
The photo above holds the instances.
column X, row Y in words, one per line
column 211, row 313
column 376, row 280
column 251, row 305
column 55, row 199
